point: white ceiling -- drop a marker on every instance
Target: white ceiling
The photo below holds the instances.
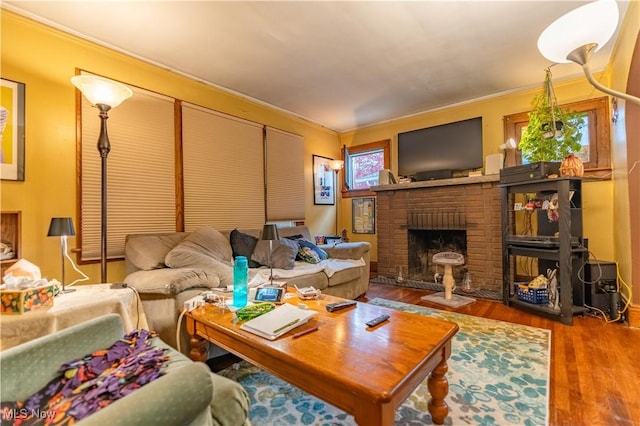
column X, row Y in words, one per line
column 340, row 64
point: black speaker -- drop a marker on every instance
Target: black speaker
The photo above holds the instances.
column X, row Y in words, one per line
column 601, row 285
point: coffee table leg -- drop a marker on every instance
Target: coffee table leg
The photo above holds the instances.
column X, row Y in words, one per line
column 439, row 388
column 198, row 348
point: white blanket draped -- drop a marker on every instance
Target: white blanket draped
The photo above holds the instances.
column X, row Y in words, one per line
column 328, row 266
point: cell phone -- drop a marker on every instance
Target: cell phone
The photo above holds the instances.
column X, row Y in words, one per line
column 269, row 294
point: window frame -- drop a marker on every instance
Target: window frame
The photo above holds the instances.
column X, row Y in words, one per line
column 599, row 125
column 385, row 145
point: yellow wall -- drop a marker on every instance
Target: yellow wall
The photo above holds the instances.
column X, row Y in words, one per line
column 45, row 59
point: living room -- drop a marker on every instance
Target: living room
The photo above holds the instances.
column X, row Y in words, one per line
column 44, row 59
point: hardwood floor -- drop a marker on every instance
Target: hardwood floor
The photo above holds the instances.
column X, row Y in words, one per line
column 595, row 368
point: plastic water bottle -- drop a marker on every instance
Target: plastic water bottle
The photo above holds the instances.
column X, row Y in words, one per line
column 240, row 281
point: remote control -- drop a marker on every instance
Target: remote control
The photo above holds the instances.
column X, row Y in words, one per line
column 376, row 321
column 332, row 307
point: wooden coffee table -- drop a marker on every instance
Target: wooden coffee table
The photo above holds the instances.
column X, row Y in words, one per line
column 367, row 372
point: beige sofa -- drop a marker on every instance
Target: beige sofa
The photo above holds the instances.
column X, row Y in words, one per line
column 169, row 268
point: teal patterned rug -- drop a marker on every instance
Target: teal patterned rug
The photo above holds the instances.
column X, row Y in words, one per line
column 498, row 375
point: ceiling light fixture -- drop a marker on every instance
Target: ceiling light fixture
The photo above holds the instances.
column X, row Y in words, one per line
column 575, row 36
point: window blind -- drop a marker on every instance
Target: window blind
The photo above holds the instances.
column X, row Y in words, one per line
column 284, row 175
column 223, row 170
column 140, row 172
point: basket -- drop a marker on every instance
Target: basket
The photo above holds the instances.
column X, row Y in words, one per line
column 531, row 295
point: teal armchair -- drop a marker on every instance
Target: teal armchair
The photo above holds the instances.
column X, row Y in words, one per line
column 189, row 394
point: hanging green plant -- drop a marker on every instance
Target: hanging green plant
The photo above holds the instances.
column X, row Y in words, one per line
column 552, row 133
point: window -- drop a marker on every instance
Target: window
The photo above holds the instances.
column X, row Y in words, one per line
column 596, row 142
column 361, row 166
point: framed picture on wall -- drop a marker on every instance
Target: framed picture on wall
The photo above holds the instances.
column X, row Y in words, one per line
column 12, row 130
column 323, row 181
column 363, row 215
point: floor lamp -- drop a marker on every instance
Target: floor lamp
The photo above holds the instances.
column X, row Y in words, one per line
column 574, row 37
column 336, row 166
column 103, row 94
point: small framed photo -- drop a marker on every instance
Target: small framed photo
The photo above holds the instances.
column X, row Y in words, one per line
column 12, row 130
column 323, row 181
column 363, row 215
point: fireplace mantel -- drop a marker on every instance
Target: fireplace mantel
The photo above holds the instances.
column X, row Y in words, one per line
column 438, row 182
column 476, row 200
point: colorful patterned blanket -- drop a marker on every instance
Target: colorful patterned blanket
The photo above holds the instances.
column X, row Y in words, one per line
column 91, row 383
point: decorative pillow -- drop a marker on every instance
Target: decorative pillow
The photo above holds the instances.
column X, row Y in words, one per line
column 307, row 254
column 243, row 245
column 283, row 256
column 322, row 255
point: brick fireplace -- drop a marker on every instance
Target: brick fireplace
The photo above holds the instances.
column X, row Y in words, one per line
column 468, row 205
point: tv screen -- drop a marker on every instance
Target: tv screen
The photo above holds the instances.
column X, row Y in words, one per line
column 454, row 146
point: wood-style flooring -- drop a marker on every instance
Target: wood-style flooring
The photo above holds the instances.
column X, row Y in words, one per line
column 595, row 366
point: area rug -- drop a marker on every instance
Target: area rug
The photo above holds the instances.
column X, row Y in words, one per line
column 498, row 375
column 456, row 300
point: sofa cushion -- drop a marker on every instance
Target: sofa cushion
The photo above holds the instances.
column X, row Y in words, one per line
column 243, row 245
column 283, row 256
column 172, row 281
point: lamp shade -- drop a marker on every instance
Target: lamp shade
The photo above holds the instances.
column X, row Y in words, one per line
column 593, row 23
column 270, row 233
column 100, row 90
column 61, row 226
column 336, row 165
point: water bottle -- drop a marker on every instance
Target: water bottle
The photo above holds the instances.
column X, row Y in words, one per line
column 240, row 282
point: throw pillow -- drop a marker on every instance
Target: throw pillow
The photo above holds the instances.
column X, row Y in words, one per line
column 283, row 255
column 322, row 255
column 243, row 245
column 308, row 255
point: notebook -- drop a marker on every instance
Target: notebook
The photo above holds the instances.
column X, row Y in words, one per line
column 275, row 323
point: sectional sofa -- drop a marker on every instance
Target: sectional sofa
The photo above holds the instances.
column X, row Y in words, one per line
column 169, row 268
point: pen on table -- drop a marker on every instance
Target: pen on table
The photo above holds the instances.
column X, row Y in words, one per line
column 285, row 326
column 302, row 333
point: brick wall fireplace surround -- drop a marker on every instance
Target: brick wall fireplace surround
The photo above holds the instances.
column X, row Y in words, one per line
column 471, row 204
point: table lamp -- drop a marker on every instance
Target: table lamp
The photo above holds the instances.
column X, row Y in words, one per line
column 62, row 227
column 270, row 233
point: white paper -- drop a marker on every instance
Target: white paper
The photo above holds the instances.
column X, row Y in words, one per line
column 279, row 321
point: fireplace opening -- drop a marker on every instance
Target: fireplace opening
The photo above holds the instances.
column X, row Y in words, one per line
column 424, row 244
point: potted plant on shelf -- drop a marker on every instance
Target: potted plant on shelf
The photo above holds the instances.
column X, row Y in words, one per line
column 552, row 134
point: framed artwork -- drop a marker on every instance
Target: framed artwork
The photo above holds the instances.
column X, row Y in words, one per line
column 363, row 215
column 12, row 130
column 323, row 181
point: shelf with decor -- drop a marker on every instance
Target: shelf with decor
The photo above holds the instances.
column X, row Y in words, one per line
column 542, row 235
column 10, row 223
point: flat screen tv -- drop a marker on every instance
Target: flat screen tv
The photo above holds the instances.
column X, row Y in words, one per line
column 448, row 147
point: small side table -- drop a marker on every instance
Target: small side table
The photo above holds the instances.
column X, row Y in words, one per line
column 89, row 301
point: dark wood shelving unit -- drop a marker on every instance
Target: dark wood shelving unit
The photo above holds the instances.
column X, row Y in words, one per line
column 566, row 257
